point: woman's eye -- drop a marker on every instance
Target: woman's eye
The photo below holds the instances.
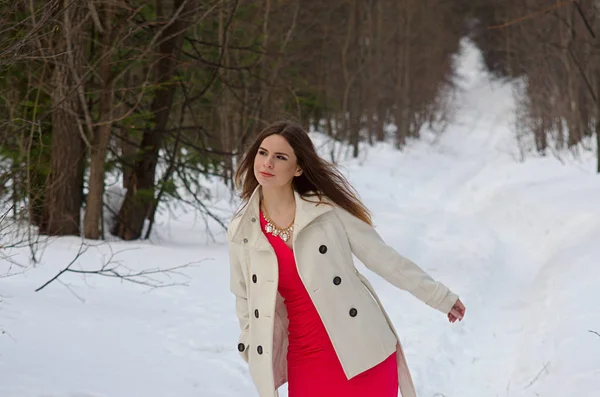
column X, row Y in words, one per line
column 281, row 157
column 261, row 152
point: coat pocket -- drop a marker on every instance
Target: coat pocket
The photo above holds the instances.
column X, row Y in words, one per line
column 373, row 295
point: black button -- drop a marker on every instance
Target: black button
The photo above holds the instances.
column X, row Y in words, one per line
column 353, row 312
column 259, row 349
column 256, row 313
column 254, row 278
column 323, row 249
column 245, row 240
column 241, row 347
column 253, row 219
column 337, row 280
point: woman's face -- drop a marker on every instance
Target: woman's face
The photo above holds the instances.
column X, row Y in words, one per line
column 275, row 164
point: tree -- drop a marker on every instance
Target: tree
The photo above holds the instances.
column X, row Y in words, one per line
column 63, row 196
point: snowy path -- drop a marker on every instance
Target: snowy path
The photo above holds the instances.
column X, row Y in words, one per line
column 500, row 233
column 440, row 230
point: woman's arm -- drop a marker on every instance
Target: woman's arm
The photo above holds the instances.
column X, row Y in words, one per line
column 238, row 288
column 382, row 259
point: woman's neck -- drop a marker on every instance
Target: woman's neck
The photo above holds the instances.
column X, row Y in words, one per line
column 278, row 201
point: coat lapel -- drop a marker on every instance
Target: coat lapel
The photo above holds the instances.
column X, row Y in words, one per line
column 307, row 210
column 247, row 224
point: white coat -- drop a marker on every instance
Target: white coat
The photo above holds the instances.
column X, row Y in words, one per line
column 325, row 237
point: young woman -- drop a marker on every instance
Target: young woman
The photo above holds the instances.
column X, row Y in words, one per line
column 307, row 316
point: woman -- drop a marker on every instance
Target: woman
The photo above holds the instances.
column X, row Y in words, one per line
column 307, row 316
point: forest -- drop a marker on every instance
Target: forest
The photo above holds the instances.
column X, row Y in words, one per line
column 156, row 96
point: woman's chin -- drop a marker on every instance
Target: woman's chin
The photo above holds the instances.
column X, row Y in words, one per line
column 269, row 183
column 266, row 183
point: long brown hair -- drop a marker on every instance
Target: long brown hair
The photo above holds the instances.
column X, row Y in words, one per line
column 319, row 177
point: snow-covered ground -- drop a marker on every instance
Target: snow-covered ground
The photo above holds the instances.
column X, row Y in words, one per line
column 519, row 242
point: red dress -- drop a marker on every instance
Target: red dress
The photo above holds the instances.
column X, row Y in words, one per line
column 313, row 367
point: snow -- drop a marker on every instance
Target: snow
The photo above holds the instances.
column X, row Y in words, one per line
column 518, row 241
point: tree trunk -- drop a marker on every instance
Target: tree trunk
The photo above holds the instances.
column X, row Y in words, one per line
column 354, row 124
column 93, row 214
column 229, row 133
column 355, row 91
column 598, row 116
column 403, row 125
column 380, row 106
column 574, row 127
column 598, row 145
column 139, row 198
column 63, row 197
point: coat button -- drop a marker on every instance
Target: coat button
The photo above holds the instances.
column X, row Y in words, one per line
column 254, row 278
column 259, row 349
column 245, row 241
column 337, row 280
column 256, row 313
column 353, row 312
column 241, row 347
column 253, row 219
column 323, row 249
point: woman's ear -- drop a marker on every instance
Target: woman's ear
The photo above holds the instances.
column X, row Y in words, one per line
column 298, row 172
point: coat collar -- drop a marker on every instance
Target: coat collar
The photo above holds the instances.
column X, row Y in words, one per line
column 246, row 225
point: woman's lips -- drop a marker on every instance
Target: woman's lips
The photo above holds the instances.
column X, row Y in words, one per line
column 266, row 175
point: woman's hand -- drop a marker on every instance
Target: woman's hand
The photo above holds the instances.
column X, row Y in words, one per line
column 457, row 312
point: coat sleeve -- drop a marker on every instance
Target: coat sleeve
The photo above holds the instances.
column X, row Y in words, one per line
column 237, row 285
column 376, row 255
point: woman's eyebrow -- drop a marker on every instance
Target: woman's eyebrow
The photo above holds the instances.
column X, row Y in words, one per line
column 262, row 148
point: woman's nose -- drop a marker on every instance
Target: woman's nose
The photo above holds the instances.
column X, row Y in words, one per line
column 269, row 163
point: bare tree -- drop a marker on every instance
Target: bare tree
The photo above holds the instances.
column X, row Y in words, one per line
column 102, row 132
column 63, row 196
column 140, row 188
